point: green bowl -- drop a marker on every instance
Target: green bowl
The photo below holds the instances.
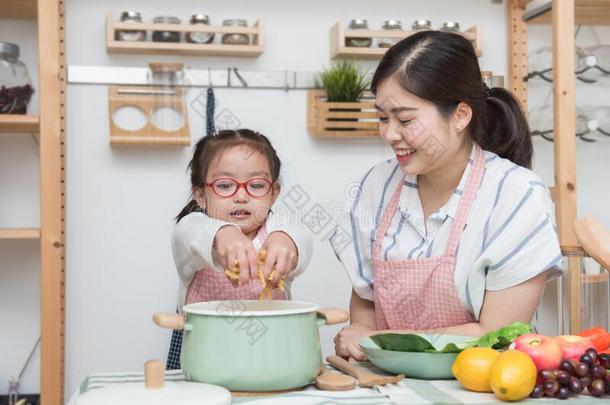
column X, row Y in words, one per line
column 427, row 366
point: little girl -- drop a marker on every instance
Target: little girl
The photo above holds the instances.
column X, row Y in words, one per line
column 234, row 178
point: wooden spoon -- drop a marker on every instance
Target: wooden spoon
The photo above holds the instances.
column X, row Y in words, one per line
column 366, row 378
column 328, row 381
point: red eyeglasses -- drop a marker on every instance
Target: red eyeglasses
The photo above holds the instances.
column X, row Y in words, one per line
column 226, row 187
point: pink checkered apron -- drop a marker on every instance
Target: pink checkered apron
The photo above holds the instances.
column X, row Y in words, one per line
column 420, row 294
column 212, row 285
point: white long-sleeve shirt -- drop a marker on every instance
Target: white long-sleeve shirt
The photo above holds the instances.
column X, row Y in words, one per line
column 194, row 235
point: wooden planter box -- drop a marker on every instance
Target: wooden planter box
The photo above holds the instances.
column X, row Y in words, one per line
column 254, row 49
column 341, row 120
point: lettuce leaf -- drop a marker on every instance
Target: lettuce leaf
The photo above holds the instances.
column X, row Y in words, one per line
column 501, row 338
column 410, row 343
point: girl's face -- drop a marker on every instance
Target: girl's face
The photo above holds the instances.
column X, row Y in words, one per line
column 422, row 139
column 239, row 164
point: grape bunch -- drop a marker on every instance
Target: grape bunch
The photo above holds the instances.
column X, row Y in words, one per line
column 591, row 373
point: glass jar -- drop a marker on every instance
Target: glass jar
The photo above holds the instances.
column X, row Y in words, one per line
column 166, row 36
column 15, row 83
column 358, row 24
column 421, row 25
column 390, row 25
column 233, row 38
column 450, row 26
column 130, row 35
column 200, row 37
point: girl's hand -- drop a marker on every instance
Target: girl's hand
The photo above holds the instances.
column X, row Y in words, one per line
column 232, row 245
column 281, row 253
column 347, row 341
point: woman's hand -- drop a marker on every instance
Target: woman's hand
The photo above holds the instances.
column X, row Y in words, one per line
column 230, row 246
column 281, row 253
column 347, row 341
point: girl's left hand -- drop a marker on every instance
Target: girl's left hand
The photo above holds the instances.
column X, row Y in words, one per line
column 281, row 253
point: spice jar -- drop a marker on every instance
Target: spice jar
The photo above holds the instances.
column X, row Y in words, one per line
column 450, row 26
column 390, row 25
column 166, row 36
column 421, row 25
column 233, row 38
column 15, row 83
column 358, row 24
column 200, row 37
column 130, row 35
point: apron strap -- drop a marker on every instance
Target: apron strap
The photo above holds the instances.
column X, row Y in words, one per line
column 386, row 219
column 466, row 200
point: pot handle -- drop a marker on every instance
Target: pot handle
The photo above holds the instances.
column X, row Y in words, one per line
column 169, row 321
column 332, row 316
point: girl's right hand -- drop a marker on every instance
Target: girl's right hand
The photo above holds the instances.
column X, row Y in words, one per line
column 231, row 246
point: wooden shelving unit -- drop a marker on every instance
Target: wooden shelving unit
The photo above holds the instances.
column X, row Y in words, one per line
column 339, row 32
column 340, row 120
column 17, row 233
column 51, row 128
column 562, row 15
column 586, row 12
column 23, row 9
column 255, row 49
column 12, row 123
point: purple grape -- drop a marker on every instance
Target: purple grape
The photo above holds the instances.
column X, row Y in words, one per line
column 581, row 369
column 563, row 393
column 586, row 381
column 548, row 375
column 551, row 387
column 563, row 377
column 604, row 360
column 597, row 388
column 598, row 372
column 591, row 352
column 585, row 358
column 538, row 391
column 576, row 385
column 568, row 366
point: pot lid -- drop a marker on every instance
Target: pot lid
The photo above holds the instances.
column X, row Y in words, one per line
column 250, row 308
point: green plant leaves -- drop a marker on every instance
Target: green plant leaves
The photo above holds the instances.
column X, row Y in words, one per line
column 501, row 338
column 410, row 343
column 344, row 82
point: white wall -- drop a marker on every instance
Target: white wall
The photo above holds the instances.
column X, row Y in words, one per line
column 121, row 200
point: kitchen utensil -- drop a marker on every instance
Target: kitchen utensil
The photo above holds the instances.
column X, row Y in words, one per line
column 365, row 378
column 329, row 381
column 155, row 391
column 434, row 366
column 252, row 345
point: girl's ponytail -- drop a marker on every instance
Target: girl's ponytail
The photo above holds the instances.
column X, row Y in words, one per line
column 507, row 133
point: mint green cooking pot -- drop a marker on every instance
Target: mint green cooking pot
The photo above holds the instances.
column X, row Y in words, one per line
column 252, row 345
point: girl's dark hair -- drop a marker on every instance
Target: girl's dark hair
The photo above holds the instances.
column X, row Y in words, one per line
column 442, row 68
column 210, row 146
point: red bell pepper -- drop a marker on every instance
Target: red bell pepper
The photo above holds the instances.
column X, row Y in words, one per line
column 598, row 336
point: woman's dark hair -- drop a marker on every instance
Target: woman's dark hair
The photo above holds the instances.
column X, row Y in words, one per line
column 210, row 146
column 442, row 68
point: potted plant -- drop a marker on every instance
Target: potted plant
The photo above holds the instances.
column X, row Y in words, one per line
column 344, row 82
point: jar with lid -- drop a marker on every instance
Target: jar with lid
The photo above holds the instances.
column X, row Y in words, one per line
column 358, row 24
column 421, row 25
column 130, row 35
column 15, row 83
column 200, row 37
column 390, row 25
column 166, row 36
column 450, row 26
column 235, row 38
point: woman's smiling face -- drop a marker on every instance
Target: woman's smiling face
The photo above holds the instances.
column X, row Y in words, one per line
column 422, row 139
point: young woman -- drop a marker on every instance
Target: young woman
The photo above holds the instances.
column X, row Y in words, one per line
column 456, row 233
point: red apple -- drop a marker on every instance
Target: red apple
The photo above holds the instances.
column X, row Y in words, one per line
column 572, row 346
column 544, row 350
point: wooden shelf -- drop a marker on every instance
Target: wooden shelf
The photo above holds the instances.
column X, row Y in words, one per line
column 595, row 278
column 587, row 12
column 256, row 48
column 340, row 120
column 24, row 9
column 338, row 49
column 10, row 123
column 20, row 233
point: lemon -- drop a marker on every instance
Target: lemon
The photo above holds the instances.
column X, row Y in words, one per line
column 513, row 376
column 472, row 368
